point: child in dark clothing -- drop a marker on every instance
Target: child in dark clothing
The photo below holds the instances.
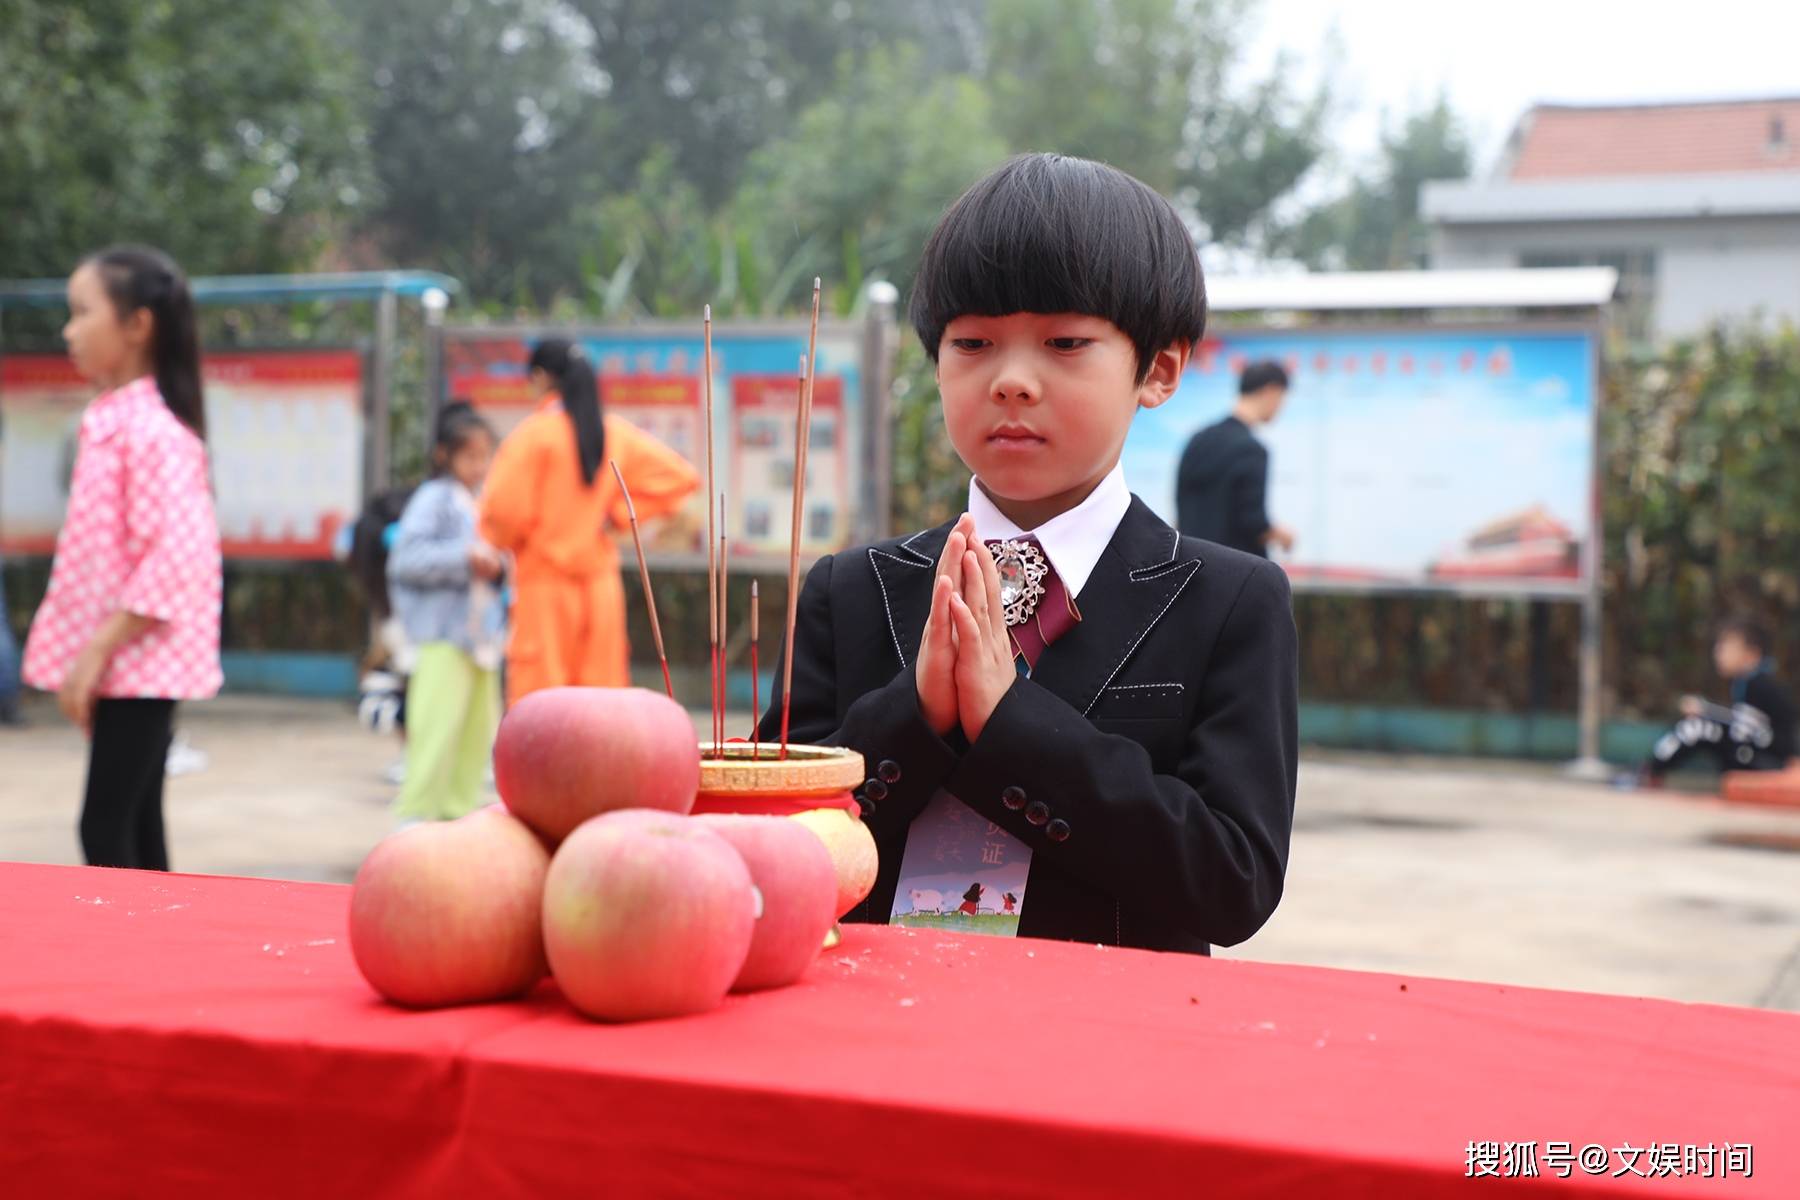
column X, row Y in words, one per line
column 1756, row 732
column 1056, row 685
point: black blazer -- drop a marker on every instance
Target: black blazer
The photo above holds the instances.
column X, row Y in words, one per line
column 1149, row 763
column 1222, row 485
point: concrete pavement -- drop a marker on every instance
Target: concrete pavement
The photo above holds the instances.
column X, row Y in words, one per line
column 1472, row 870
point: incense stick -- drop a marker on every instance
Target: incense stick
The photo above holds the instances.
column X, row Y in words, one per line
column 793, row 576
column 724, row 624
column 637, row 542
column 755, row 674
column 712, row 486
column 802, row 435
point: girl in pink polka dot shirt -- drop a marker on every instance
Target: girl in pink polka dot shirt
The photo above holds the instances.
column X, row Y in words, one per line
column 130, row 623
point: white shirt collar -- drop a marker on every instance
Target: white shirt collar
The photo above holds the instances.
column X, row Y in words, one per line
column 1073, row 541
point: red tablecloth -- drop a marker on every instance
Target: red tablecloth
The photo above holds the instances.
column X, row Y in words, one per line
column 178, row 1035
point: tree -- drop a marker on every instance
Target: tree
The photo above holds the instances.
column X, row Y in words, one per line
column 713, row 80
column 853, row 183
column 510, row 135
column 1702, row 503
column 1376, row 224
column 220, row 130
column 488, row 126
column 821, row 194
column 1146, row 86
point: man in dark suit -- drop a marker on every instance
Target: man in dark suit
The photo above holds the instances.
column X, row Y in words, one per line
column 1222, row 487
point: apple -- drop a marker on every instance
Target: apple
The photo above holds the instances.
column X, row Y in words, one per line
column 852, row 849
column 563, row 755
column 448, row 912
column 647, row 915
column 798, row 881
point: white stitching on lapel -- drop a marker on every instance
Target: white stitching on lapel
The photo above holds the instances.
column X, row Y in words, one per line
column 1146, row 574
column 893, row 629
column 1194, row 566
column 1168, row 564
column 907, row 546
column 1145, row 687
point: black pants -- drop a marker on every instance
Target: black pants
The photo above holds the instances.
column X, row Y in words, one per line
column 122, row 814
column 1704, row 736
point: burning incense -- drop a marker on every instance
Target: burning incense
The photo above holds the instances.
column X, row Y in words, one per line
column 724, row 631
column 802, row 436
column 712, row 485
column 755, row 674
column 637, row 542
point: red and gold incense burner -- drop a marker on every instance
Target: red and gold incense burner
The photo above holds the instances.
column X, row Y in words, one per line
column 745, row 777
column 753, row 778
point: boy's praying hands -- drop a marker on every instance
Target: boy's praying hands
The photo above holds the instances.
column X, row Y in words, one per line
column 984, row 659
column 965, row 658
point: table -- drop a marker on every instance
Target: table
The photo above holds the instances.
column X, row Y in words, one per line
column 182, row 1035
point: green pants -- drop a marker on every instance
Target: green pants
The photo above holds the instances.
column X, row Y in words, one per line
column 452, row 710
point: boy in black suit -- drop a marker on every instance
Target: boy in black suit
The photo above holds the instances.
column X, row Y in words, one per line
column 1114, row 702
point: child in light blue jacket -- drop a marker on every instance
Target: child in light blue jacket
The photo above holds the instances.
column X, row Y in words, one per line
column 444, row 584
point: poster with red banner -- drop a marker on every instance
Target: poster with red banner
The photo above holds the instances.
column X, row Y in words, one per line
column 654, row 378
column 489, row 372
column 668, row 404
column 284, row 437
column 763, row 429
column 671, row 409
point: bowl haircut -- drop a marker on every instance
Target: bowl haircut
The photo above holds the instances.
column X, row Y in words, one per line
column 1045, row 233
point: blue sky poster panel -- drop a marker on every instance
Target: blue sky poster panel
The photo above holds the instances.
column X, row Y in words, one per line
column 1395, row 447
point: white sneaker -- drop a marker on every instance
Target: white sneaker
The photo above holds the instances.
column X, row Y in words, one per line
column 183, row 759
column 396, row 773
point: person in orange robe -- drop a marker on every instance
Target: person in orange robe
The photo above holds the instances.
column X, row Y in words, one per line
column 552, row 501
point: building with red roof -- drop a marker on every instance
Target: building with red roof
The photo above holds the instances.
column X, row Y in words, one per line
column 1696, row 205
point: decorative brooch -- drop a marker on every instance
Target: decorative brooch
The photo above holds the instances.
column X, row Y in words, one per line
column 1022, row 567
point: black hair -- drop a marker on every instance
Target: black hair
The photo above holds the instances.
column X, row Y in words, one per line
column 143, row 277
column 456, row 424
column 368, row 547
column 1749, row 629
column 1259, row 375
column 580, row 393
column 1045, row 233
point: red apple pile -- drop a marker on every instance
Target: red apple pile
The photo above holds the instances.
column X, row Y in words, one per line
column 593, row 871
column 449, row 913
column 566, row 754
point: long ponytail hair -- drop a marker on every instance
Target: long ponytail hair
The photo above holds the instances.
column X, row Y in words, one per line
column 574, row 376
column 143, row 277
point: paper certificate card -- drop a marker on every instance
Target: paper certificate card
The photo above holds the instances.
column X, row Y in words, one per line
column 960, row 871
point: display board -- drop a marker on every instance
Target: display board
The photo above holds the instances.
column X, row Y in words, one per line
column 284, row 439
column 1407, row 458
column 652, row 376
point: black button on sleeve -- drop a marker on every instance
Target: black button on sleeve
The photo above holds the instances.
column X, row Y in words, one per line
column 876, row 790
column 1057, row 830
column 1037, row 812
column 888, row 771
column 1013, row 798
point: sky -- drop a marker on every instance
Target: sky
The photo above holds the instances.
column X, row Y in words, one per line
column 1495, row 60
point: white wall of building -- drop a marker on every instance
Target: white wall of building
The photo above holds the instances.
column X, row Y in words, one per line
column 1705, row 268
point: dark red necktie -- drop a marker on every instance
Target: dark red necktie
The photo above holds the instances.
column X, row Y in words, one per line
column 1055, row 615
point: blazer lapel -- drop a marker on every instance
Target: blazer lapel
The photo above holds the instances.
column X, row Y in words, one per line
column 903, row 576
column 1135, row 583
